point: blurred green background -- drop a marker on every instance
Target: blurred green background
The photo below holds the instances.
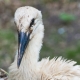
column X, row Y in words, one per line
column 62, row 29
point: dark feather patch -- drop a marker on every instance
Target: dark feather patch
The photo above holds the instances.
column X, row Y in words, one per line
column 32, row 22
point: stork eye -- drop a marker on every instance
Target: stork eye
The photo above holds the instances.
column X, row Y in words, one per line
column 32, row 22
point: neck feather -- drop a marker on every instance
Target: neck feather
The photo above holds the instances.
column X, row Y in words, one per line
column 31, row 54
column 30, row 59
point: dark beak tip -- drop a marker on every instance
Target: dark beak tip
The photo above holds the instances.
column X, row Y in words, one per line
column 18, row 63
column 19, row 60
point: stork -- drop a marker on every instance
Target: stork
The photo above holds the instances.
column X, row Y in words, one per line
column 26, row 65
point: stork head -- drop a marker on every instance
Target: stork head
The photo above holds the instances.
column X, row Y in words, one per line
column 27, row 20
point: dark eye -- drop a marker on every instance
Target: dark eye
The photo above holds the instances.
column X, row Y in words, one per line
column 32, row 22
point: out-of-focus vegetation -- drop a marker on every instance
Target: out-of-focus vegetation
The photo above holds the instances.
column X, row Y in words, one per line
column 62, row 28
column 67, row 18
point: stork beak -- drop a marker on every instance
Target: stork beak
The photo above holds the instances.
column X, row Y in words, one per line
column 23, row 40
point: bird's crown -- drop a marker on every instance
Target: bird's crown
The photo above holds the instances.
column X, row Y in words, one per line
column 26, row 17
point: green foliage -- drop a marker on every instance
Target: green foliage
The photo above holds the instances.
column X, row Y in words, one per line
column 7, row 35
column 7, row 45
column 49, row 1
column 66, row 18
column 46, row 50
column 73, row 54
column 23, row 0
column 72, row 0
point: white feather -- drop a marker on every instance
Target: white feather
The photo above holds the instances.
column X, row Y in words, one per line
column 31, row 68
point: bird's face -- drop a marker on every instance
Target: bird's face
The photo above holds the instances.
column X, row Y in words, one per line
column 27, row 20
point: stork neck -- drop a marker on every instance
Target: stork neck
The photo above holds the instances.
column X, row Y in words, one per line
column 30, row 59
column 31, row 54
column 33, row 49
